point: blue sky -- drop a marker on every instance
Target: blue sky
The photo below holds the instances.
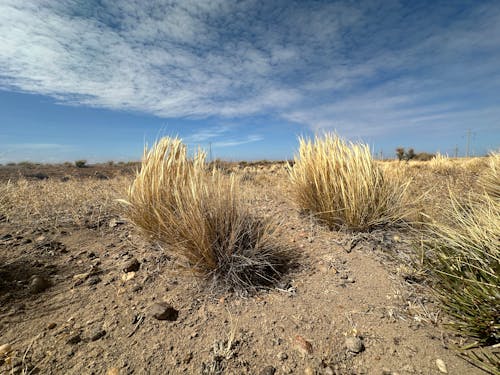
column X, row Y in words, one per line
column 96, row 79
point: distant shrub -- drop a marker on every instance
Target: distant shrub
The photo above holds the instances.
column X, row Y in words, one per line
column 400, row 153
column 423, row 156
column 81, row 163
column 196, row 214
column 342, row 185
column 463, row 258
column 39, row 176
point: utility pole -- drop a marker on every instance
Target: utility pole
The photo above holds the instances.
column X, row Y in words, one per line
column 467, row 144
column 456, row 151
column 210, row 151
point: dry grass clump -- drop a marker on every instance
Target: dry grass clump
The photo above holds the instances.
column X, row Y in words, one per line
column 490, row 178
column 54, row 203
column 197, row 215
column 342, row 185
column 463, row 257
column 442, row 164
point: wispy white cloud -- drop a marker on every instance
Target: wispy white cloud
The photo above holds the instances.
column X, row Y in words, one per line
column 239, row 141
column 358, row 67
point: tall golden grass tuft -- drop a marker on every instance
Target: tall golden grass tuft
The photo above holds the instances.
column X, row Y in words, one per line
column 490, row 178
column 342, row 185
column 463, row 257
column 196, row 214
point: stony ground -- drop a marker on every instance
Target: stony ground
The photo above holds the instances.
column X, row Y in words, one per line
column 94, row 298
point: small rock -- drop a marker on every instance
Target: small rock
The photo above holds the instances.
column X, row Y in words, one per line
column 98, row 334
column 75, row 339
column 132, row 265
column 302, row 345
column 354, row 344
column 136, row 288
column 309, row 371
column 5, row 349
column 94, row 280
column 441, row 366
column 38, row 284
column 115, row 222
column 268, row 370
column 51, row 325
column 128, row 276
column 328, row 371
column 164, row 311
column 81, row 276
column 282, row 356
column 113, row 371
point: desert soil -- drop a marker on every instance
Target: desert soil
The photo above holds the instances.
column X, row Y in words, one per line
column 73, row 300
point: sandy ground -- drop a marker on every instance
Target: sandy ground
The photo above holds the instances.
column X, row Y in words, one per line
column 351, row 306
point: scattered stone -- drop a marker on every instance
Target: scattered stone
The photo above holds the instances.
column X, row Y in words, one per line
column 441, row 366
column 309, row 371
column 282, row 356
column 164, row 311
column 94, row 280
column 136, row 288
column 38, row 284
column 132, row 265
column 113, row 371
column 328, row 371
column 115, row 222
column 354, row 344
column 5, row 349
column 302, row 345
column 98, row 334
column 75, row 339
column 268, row 370
column 128, row 276
column 51, row 325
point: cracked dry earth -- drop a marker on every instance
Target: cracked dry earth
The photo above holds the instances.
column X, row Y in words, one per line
column 349, row 308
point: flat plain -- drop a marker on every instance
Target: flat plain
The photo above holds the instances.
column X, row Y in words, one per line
column 79, row 284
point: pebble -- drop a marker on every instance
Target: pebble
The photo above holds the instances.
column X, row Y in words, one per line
column 38, row 284
column 309, row 371
column 164, row 311
column 51, row 325
column 5, row 349
column 354, row 344
column 98, row 334
column 282, row 356
column 328, row 371
column 128, row 276
column 268, row 370
column 441, row 366
column 94, row 280
column 113, row 371
column 75, row 339
column 302, row 345
column 132, row 265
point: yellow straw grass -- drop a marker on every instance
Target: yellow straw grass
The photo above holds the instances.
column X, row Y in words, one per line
column 196, row 214
column 343, row 186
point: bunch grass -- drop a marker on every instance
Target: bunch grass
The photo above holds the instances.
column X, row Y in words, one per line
column 341, row 184
column 490, row 177
column 463, row 257
column 195, row 213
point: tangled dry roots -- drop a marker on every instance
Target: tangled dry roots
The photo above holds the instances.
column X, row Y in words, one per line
column 195, row 213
